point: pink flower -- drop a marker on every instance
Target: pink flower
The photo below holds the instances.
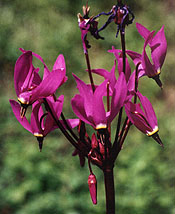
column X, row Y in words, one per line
column 28, row 84
column 158, row 46
column 42, row 123
column 89, row 107
column 146, row 120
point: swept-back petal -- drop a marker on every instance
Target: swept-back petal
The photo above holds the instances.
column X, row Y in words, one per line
column 137, row 117
column 99, row 114
column 46, row 70
column 59, row 63
column 16, row 110
column 35, row 120
column 49, row 85
column 143, row 31
column 147, row 65
column 136, row 57
column 87, row 95
column 71, row 122
column 118, row 97
column 102, row 72
column 149, row 111
column 79, row 109
column 107, row 75
column 56, row 105
column 159, row 48
column 23, row 70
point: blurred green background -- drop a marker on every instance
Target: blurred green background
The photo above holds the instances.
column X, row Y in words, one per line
column 52, row 181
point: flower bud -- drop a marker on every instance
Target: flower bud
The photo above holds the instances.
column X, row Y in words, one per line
column 92, row 182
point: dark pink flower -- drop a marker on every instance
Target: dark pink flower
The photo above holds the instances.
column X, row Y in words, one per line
column 146, row 120
column 158, row 46
column 28, row 84
column 42, row 123
column 89, row 107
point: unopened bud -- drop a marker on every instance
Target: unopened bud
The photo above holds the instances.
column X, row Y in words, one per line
column 92, row 183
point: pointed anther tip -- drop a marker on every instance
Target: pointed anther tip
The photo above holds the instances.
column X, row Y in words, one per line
column 156, row 137
column 158, row 81
column 40, row 139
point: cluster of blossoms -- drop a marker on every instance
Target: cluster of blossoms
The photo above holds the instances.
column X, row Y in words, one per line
column 32, row 90
column 120, row 89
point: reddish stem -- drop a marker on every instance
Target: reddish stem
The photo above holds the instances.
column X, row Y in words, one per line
column 89, row 71
column 109, row 190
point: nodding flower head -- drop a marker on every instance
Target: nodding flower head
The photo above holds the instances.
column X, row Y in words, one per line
column 28, row 84
column 146, row 120
column 158, row 46
column 89, row 106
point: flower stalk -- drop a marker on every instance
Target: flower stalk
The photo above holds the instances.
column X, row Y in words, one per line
column 121, row 94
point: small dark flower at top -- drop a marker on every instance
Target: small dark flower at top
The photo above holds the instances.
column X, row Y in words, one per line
column 87, row 24
column 120, row 15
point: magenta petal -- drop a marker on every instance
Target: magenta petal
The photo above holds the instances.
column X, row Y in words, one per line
column 16, row 110
column 137, row 117
column 49, row 124
column 36, row 78
column 143, row 31
column 107, row 75
column 147, row 66
column 49, row 85
column 131, row 82
column 71, row 122
column 22, row 67
column 159, row 49
column 149, row 111
column 56, row 105
column 35, row 120
column 102, row 72
column 40, row 58
column 87, row 95
column 136, row 57
column 118, row 97
column 99, row 114
column 78, row 107
column 59, row 63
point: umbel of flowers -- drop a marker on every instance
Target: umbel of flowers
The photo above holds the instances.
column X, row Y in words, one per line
column 120, row 87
